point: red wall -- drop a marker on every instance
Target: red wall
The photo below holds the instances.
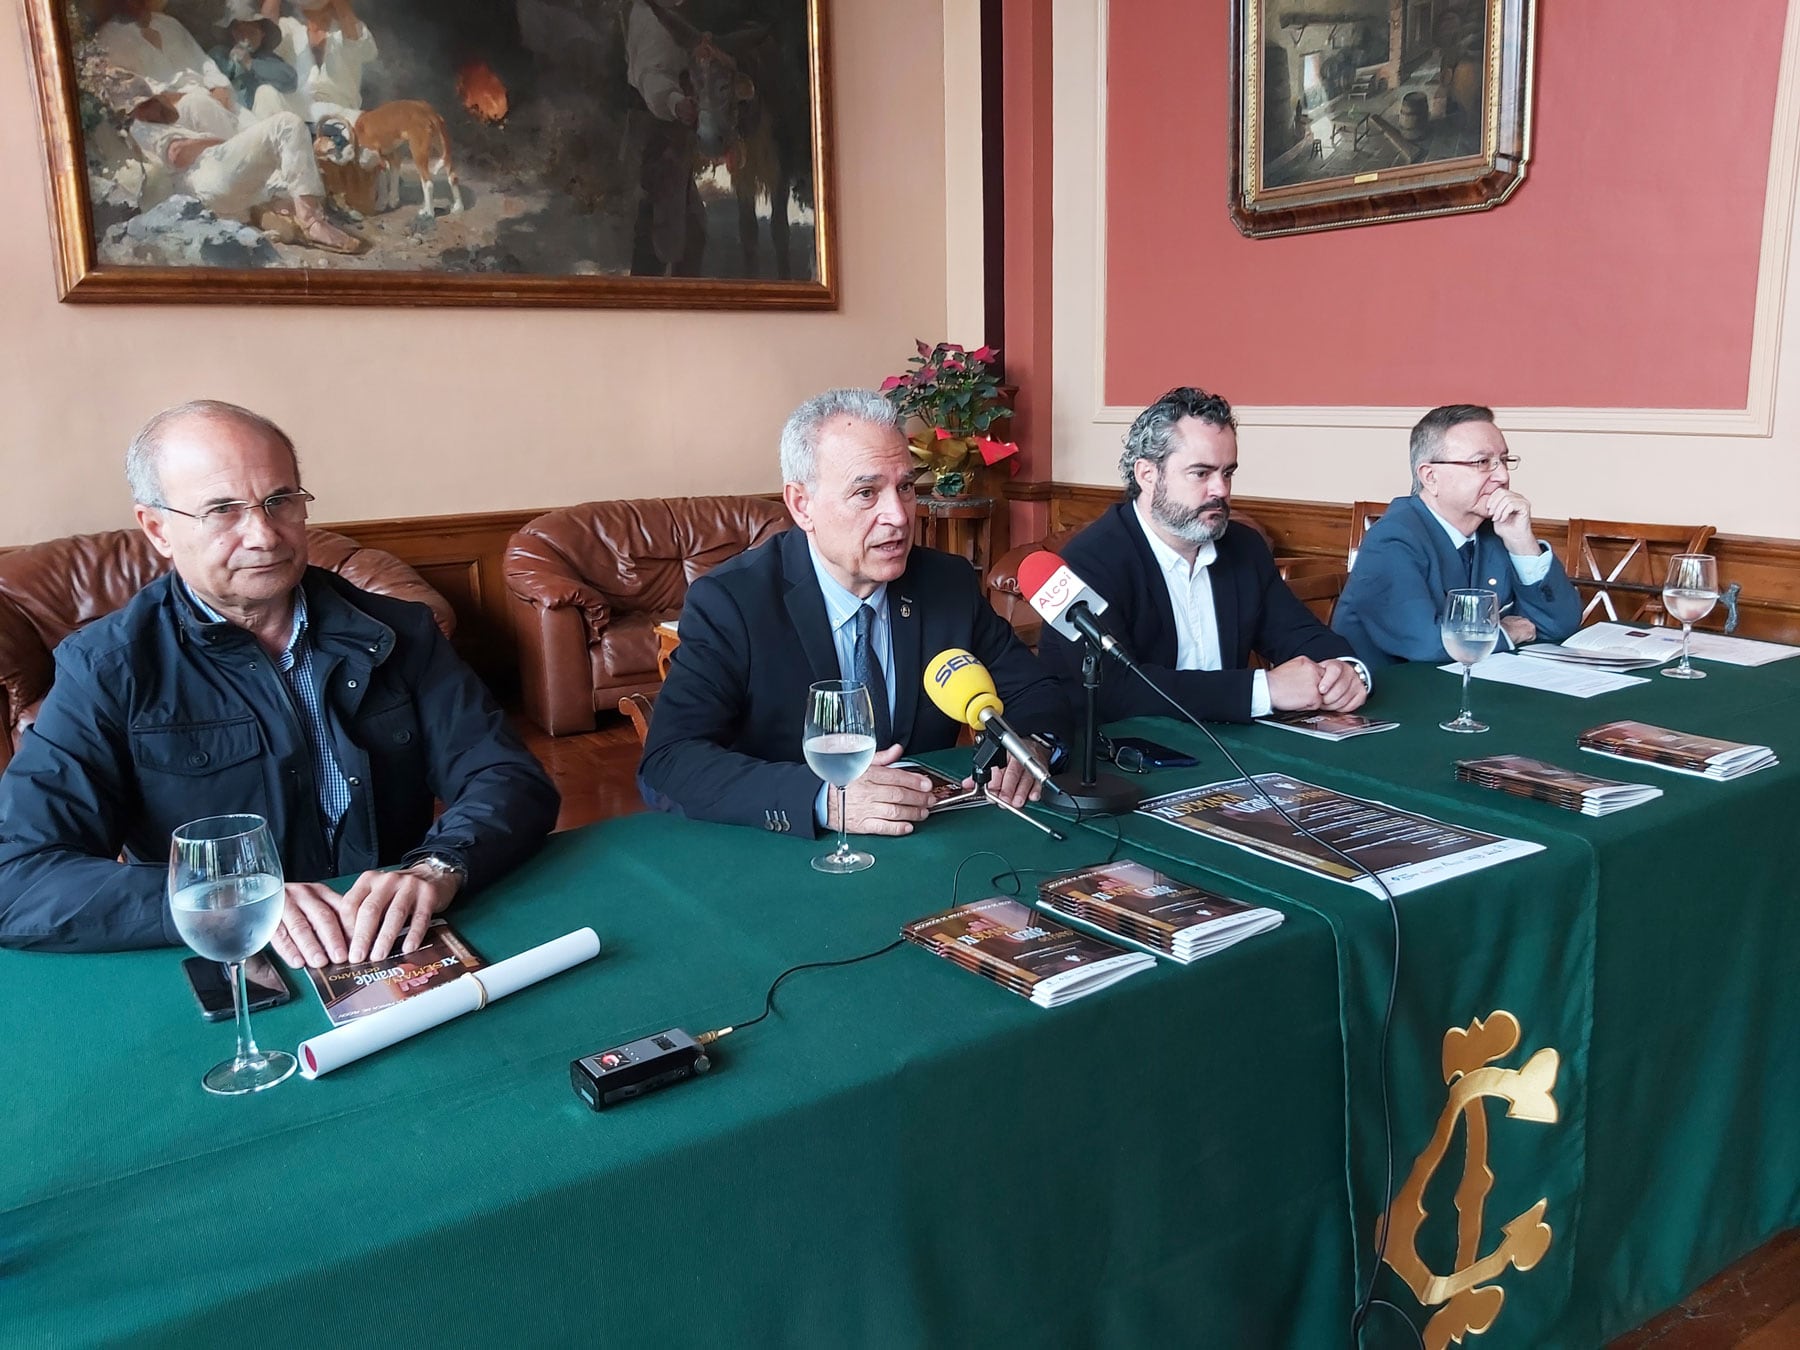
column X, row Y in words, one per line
column 1622, row 273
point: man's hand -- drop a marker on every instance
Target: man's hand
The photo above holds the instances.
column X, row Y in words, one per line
column 312, row 930
column 1518, row 628
column 182, row 153
column 1294, row 685
column 1511, row 515
column 383, row 906
column 1340, row 687
column 686, row 111
column 1013, row 784
column 884, row 800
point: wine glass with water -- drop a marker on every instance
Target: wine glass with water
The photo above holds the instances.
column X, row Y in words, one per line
column 225, row 890
column 1470, row 628
column 1689, row 594
column 839, row 743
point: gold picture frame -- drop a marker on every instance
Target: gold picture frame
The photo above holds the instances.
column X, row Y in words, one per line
column 537, row 233
column 1368, row 111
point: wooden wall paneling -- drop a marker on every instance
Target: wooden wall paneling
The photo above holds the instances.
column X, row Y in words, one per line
column 461, row 557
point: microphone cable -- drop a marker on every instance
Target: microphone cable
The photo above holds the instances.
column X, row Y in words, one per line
column 1366, row 1302
column 1017, row 874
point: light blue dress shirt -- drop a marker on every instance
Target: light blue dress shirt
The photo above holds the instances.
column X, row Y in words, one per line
column 840, row 611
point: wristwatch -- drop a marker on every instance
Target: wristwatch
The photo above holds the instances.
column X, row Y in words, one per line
column 440, row 866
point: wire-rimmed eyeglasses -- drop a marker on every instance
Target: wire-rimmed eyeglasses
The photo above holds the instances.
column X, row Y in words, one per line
column 281, row 508
column 1487, row 464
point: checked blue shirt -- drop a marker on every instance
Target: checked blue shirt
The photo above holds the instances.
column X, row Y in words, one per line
column 296, row 664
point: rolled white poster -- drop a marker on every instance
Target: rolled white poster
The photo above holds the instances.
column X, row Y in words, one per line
column 466, row 993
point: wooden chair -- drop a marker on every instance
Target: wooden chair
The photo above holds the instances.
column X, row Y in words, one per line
column 1362, row 516
column 1626, row 562
column 638, row 708
column 1319, row 589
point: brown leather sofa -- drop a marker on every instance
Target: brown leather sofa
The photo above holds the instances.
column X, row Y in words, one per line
column 589, row 584
column 49, row 590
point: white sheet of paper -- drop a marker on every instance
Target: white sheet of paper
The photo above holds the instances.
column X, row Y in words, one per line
column 1557, row 677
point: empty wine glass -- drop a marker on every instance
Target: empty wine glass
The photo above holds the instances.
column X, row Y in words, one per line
column 225, row 890
column 1470, row 628
column 839, row 743
column 1689, row 593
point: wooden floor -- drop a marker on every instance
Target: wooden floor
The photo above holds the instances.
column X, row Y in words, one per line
column 1755, row 1305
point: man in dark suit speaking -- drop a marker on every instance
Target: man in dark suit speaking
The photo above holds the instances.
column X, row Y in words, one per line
column 844, row 595
column 1190, row 598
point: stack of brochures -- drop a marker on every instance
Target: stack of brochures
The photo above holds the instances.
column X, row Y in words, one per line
column 1327, row 726
column 1017, row 948
column 1702, row 756
column 1153, row 911
column 1546, row 782
column 1598, row 658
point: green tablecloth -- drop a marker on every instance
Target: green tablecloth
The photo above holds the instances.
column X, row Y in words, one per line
column 906, row 1155
column 903, row 1155
column 1655, row 950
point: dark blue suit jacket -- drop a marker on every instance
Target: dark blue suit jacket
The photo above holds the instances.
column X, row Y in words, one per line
column 724, row 741
column 1256, row 612
column 1390, row 609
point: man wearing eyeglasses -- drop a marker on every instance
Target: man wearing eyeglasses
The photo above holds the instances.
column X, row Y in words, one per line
column 1463, row 526
column 247, row 681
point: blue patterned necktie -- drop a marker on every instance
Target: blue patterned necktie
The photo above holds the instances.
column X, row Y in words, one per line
column 1468, row 556
column 866, row 671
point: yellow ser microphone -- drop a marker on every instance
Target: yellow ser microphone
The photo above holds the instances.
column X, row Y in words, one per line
column 963, row 691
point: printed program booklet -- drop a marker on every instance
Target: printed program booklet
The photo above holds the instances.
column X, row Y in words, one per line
column 1154, row 911
column 352, row 991
column 1546, row 782
column 1653, row 646
column 1013, row 945
column 1678, row 751
column 1327, row 726
column 1407, row 851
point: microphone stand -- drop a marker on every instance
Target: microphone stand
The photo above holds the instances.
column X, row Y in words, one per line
column 988, row 750
column 1090, row 792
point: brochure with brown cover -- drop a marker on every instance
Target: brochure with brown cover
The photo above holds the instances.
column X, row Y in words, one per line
column 1154, row 911
column 352, row 991
column 1546, row 782
column 1680, row 751
column 1012, row 944
column 1327, row 726
column 1405, row 849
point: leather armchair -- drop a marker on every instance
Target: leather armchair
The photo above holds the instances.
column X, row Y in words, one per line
column 588, row 584
column 49, row 590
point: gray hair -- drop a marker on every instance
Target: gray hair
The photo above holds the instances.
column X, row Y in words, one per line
column 800, row 437
column 146, row 447
column 1428, row 435
column 1152, row 435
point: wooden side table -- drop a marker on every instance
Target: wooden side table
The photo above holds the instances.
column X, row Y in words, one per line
column 961, row 525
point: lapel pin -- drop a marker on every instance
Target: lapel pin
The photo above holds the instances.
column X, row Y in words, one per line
column 905, row 607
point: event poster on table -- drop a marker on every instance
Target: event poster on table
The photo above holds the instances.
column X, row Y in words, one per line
column 1406, row 850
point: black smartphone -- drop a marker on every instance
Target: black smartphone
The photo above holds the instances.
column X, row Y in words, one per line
column 264, row 985
column 1132, row 752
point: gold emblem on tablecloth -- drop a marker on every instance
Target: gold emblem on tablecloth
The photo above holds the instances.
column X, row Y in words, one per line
column 1469, row 1304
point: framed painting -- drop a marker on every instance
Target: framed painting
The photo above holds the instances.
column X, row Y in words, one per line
column 655, row 153
column 1355, row 112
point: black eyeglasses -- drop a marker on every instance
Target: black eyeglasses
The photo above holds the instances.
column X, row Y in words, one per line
column 282, row 508
column 1486, row 465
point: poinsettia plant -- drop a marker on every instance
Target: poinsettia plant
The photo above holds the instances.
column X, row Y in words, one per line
column 955, row 394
